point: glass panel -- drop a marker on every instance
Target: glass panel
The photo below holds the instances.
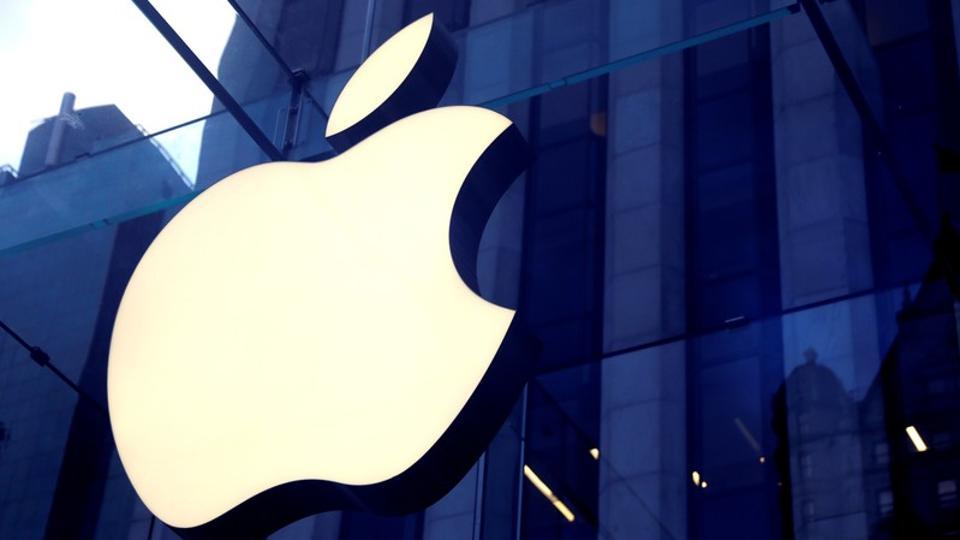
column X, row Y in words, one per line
column 849, row 25
column 333, row 35
column 123, row 182
column 104, row 52
column 739, row 313
column 254, row 76
column 509, row 54
column 901, row 66
column 311, row 36
column 230, row 50
column 780, row 416
column 781, row 202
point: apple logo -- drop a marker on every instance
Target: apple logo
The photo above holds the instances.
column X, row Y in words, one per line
column 304, row 337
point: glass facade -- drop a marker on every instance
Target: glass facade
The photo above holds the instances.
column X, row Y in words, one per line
column 737, row 242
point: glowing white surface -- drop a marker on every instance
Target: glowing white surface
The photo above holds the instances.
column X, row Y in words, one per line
column 379, row 75
column 303, row 321
column 545, row 490
column 916, row 439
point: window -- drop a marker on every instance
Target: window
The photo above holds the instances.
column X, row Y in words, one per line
column 885, row 502
column 881, row 453
column 947, row 493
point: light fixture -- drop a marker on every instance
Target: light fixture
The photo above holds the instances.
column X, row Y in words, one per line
column 595, row 452
column 703, row 484
column 916, row 439
column 763, row 459
column 696, row 478
column 548, row 493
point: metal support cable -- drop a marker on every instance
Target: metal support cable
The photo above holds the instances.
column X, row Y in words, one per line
column 209, row 79
column 42, row 359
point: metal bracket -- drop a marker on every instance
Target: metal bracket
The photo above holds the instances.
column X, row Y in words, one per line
column 291, row 127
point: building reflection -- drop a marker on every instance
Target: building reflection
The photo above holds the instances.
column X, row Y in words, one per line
column 848, row 468
column 823, row 471
column 917, row 386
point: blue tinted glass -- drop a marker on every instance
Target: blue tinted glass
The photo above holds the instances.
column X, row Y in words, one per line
column 741, row 308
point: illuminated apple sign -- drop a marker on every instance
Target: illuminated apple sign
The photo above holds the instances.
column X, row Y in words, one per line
column 304, row 337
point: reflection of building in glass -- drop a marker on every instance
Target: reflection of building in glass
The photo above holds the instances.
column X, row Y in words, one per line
column 57, row 468
column 918, row 386
column 856, row 461
column 875, row 456
column 85, row 168
column 76, row 134
column 822, row 476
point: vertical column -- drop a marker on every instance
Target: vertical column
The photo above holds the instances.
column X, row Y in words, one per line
column 642, row 487
column 955, row 10
column 820, row 177
column 454, row 515
column 824, row 252
column 497, row 54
